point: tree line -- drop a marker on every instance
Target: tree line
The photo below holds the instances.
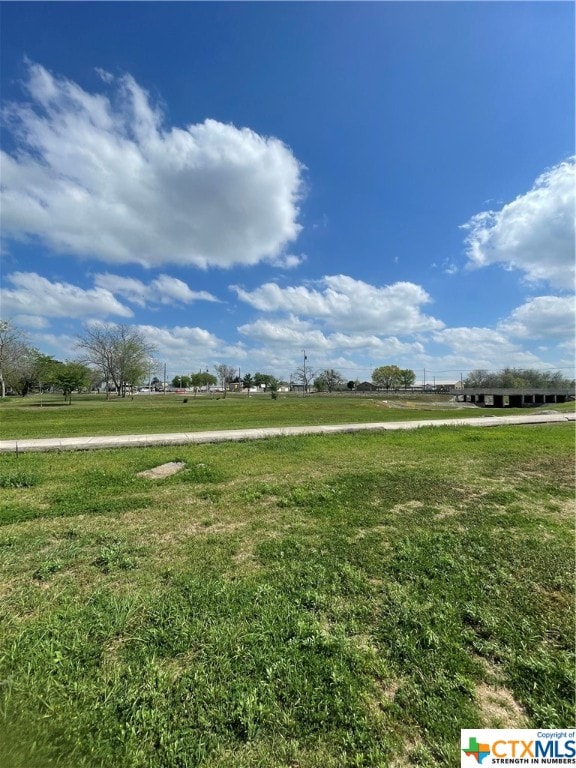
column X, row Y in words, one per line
column 518, row 378
column 119, row 355
column 122, row 358
column 227, row 377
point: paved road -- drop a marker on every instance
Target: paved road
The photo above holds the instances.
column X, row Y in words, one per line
column 222, row 435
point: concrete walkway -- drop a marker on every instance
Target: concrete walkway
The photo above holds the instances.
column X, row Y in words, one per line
column 222, row 435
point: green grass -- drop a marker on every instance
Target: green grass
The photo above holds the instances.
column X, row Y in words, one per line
column 334, row 601
column 92, row 415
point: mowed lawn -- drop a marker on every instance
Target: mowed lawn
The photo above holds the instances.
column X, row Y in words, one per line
column 310, row 602
column 148, row 414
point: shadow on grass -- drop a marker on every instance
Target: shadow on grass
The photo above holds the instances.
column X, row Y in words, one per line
column 48, row 405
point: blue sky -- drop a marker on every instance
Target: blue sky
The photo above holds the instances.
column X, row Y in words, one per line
column 374, row 183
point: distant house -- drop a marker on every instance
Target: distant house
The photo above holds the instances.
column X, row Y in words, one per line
column 366, row 386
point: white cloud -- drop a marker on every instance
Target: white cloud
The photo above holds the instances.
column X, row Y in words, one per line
column 30, row 321
column 293, row 334
column 163, row 290
column 170, row 289
column 481, row 348
column 534, row 233
column 104, row 75
column 191, row 348
column 344, row 303
column 133, row 290
column 101, row 177
column 278, row 346
column 35, row 295
column 288, row 261
column 542, row 317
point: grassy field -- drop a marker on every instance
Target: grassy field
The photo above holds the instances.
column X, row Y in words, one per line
column 311, row 602
column 146, row 414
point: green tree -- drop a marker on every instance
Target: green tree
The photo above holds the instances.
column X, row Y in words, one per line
column 272, row 387
column 70, row 377
column 182, row 382
column 248, row 381
column 195, row 381
column 202, row 379
column 270, row 382
column 329, row 380
column 46, row 371
column 386, row 376
column 406, row 377
column 208, row 380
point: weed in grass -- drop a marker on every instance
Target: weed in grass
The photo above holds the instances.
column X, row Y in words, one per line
column 47, row 569
column 211, row 495
column 18, row 480
column 114, row 556
column 202, row 473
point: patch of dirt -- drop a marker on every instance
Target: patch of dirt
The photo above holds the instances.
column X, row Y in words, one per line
column 176, row 666
column 499, row 708
column 181, row 532
column 381, row 530
column 411, row 755
column 497, row 705
column 408, row 506
column 383, row 694
column 245, row 560
column 442, row 511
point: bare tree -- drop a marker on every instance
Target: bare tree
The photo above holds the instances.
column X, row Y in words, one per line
column 304, row 375
column 14, row 352
column 120, row 352
column 225, row 375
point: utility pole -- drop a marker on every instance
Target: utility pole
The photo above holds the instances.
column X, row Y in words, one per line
column 305, row 389
column 164, row 381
